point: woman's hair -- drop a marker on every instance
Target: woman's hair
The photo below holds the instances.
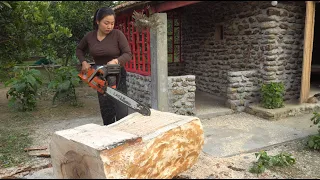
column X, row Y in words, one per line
column 100, row 14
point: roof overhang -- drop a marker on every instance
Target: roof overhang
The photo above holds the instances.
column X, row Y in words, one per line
column 156, row 6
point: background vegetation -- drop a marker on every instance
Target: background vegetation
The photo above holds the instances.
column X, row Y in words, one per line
column 48, row 29
column 33, row 30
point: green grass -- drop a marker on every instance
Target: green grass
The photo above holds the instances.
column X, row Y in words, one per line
column 14, row 137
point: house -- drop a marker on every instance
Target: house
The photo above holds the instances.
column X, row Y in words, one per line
column 224, row 48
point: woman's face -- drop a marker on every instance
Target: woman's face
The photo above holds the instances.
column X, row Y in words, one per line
column 106, row 25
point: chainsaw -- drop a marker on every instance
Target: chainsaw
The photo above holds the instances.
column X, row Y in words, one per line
column 104, row 79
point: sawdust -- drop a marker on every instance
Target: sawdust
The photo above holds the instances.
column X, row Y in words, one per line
column 140, row 125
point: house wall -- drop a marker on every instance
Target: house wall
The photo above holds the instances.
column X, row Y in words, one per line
column 257, row 36
column 243, row 89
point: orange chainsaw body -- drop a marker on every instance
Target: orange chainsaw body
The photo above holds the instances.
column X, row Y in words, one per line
column 96, row 83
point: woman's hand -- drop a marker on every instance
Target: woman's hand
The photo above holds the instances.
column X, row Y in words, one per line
column 113, row 61
column 85, row 66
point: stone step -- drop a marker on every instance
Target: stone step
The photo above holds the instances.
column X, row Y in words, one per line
column 290, row 109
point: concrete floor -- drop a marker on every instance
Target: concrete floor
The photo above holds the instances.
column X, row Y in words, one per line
column 208, row 106
column 314, row 89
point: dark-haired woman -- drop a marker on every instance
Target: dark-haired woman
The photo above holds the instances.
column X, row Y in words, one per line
column 107, row 46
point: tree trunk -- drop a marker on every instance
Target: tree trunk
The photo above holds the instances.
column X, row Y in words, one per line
column 158, row 146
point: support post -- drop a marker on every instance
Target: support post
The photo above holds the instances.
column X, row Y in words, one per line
column 307, row 51
column 159, row 64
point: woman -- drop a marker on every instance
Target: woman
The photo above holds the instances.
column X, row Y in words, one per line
column 107, row 46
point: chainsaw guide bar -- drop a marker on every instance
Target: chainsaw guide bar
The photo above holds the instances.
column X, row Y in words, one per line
column 97, row 79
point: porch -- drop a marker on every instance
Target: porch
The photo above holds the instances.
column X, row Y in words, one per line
column 208, row 106
column 290, row 109
column 229, row 54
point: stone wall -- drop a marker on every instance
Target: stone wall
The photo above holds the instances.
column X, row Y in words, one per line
column 176, row 69
column 181, row 94
column 139, row 88
column 256, row 36
column 243, row 89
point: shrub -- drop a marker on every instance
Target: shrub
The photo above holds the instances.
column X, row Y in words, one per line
column 314, row 140
column 64, row 83
column 265, row 161
column 24, row 87
column 272, row 95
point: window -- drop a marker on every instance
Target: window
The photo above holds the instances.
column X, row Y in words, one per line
column 139, row 43
column 174, row 36
column 218, row 33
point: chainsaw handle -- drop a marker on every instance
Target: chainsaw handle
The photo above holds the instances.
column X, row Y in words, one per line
column 95, row 72
column 106, row 70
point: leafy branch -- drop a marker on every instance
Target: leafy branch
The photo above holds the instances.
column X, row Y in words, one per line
column 264, row 161
column 23, row 89
column 314, row 140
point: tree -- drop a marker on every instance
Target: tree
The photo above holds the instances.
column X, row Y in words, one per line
column 44, row 28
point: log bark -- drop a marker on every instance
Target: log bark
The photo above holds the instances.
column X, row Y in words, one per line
column 158, row 146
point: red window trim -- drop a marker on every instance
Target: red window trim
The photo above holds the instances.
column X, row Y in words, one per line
column 140, row 48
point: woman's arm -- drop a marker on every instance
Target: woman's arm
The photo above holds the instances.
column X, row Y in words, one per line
column 125, row 50
column 80, row 52
column 81, row 49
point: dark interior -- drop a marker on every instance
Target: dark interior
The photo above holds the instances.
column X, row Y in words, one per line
column 315, row 72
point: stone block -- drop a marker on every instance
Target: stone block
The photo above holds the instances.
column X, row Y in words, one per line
column 159, row 146
column 192, row 89
column 273, row 11
column 268, row 25
column 179, row 91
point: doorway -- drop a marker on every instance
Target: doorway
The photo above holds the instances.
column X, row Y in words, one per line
column 315, row 63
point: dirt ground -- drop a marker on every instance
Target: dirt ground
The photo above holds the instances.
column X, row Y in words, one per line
column 43, row 122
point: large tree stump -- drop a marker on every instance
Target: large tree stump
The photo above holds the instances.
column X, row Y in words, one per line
column 158, row 146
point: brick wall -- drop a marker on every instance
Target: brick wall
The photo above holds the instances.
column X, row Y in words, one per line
column 256, row 36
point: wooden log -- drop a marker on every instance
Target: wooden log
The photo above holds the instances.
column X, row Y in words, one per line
column 158, row 146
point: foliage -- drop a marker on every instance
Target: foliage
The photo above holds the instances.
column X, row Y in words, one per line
column 44, row 28
column 143, row 21
column 6, row 71
column 264, row 161
column 29, row 27
column 23, row 90
column 272, row 95
column 314, row 140
column 64, row 83
column 4, row 3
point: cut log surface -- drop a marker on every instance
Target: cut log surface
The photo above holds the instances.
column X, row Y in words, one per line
column 158, row 146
